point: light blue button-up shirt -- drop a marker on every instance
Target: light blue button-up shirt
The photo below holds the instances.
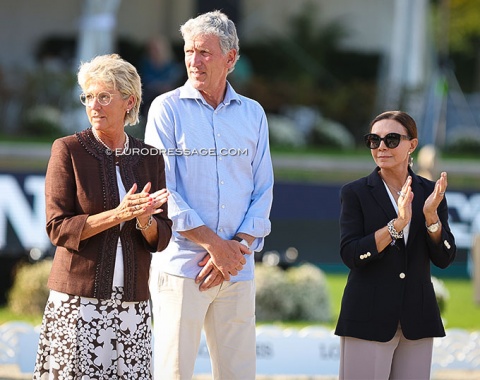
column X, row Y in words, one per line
column 219, row 172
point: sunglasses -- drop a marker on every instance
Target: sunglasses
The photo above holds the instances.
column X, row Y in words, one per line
column 391, row 140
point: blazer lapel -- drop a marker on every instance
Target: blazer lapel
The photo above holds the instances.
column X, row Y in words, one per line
column 417, row 207
column 377, row 187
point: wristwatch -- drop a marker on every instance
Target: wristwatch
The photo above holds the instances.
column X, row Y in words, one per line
column 432, row 228
column 241, row 241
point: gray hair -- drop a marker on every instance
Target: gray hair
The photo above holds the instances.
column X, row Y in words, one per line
column 214, row 23
column 114, row 71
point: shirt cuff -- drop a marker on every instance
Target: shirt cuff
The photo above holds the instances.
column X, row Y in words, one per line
column 257, row 227
column 186, row 220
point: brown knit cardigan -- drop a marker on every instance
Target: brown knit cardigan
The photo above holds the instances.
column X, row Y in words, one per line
column 81, row 181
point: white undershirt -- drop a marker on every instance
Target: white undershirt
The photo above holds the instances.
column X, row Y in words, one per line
column 118, row 277
column 406, row 230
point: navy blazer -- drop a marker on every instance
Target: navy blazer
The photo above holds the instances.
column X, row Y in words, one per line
column 395, row 285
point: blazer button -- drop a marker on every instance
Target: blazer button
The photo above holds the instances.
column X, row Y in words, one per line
column 362, row 257
column 369, row 254
column 446, row 244
column 402, row 275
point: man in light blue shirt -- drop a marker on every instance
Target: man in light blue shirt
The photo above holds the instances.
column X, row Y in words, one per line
column 219, row 173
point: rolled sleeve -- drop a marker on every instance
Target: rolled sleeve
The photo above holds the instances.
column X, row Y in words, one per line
column 186, row 220
column 258, row 227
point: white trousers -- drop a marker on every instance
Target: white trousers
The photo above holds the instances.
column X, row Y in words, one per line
column 397, row 359
column 225, row 312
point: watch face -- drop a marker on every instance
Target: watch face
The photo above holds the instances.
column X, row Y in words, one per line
column 433, row 227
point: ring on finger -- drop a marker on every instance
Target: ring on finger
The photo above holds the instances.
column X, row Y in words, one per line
column 402, row 194
column 442, row 193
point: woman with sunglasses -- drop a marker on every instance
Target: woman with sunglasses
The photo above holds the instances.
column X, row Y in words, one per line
column 393, row 224
column 106, row 213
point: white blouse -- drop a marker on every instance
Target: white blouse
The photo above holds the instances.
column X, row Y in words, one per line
column 406, row 230
column 118, row 277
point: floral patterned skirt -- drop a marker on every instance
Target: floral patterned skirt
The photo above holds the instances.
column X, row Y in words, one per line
column 86, row 338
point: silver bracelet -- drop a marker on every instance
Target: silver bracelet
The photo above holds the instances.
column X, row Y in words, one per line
column 393, row 232
column 143, row 228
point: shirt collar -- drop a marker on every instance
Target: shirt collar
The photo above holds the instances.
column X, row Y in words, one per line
column 189, row 92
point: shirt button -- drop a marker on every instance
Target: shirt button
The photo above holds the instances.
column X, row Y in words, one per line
column 402, row 275
column 221, row 182
column 223, row 206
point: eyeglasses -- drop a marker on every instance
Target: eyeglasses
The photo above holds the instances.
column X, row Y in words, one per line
column 104, row 98
column 391, row 140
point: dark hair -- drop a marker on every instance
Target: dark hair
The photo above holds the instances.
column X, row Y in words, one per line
column 402, row 117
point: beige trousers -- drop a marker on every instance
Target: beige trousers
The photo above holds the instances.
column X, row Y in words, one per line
column 397, row 359
column 227, row 315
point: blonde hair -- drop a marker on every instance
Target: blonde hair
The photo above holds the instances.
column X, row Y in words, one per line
column 114, row 71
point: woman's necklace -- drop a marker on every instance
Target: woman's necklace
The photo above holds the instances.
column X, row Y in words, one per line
column 125, row 145
column 392, row 188
column 389, row 186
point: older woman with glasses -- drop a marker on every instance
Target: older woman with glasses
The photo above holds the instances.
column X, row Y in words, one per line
column 106, row 212
column 393, row 224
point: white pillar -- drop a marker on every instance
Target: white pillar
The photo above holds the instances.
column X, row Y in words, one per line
column 407, row 54
column 97, row 29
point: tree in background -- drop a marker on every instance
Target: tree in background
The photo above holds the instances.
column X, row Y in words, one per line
column 458, row 32
column 306, row 66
